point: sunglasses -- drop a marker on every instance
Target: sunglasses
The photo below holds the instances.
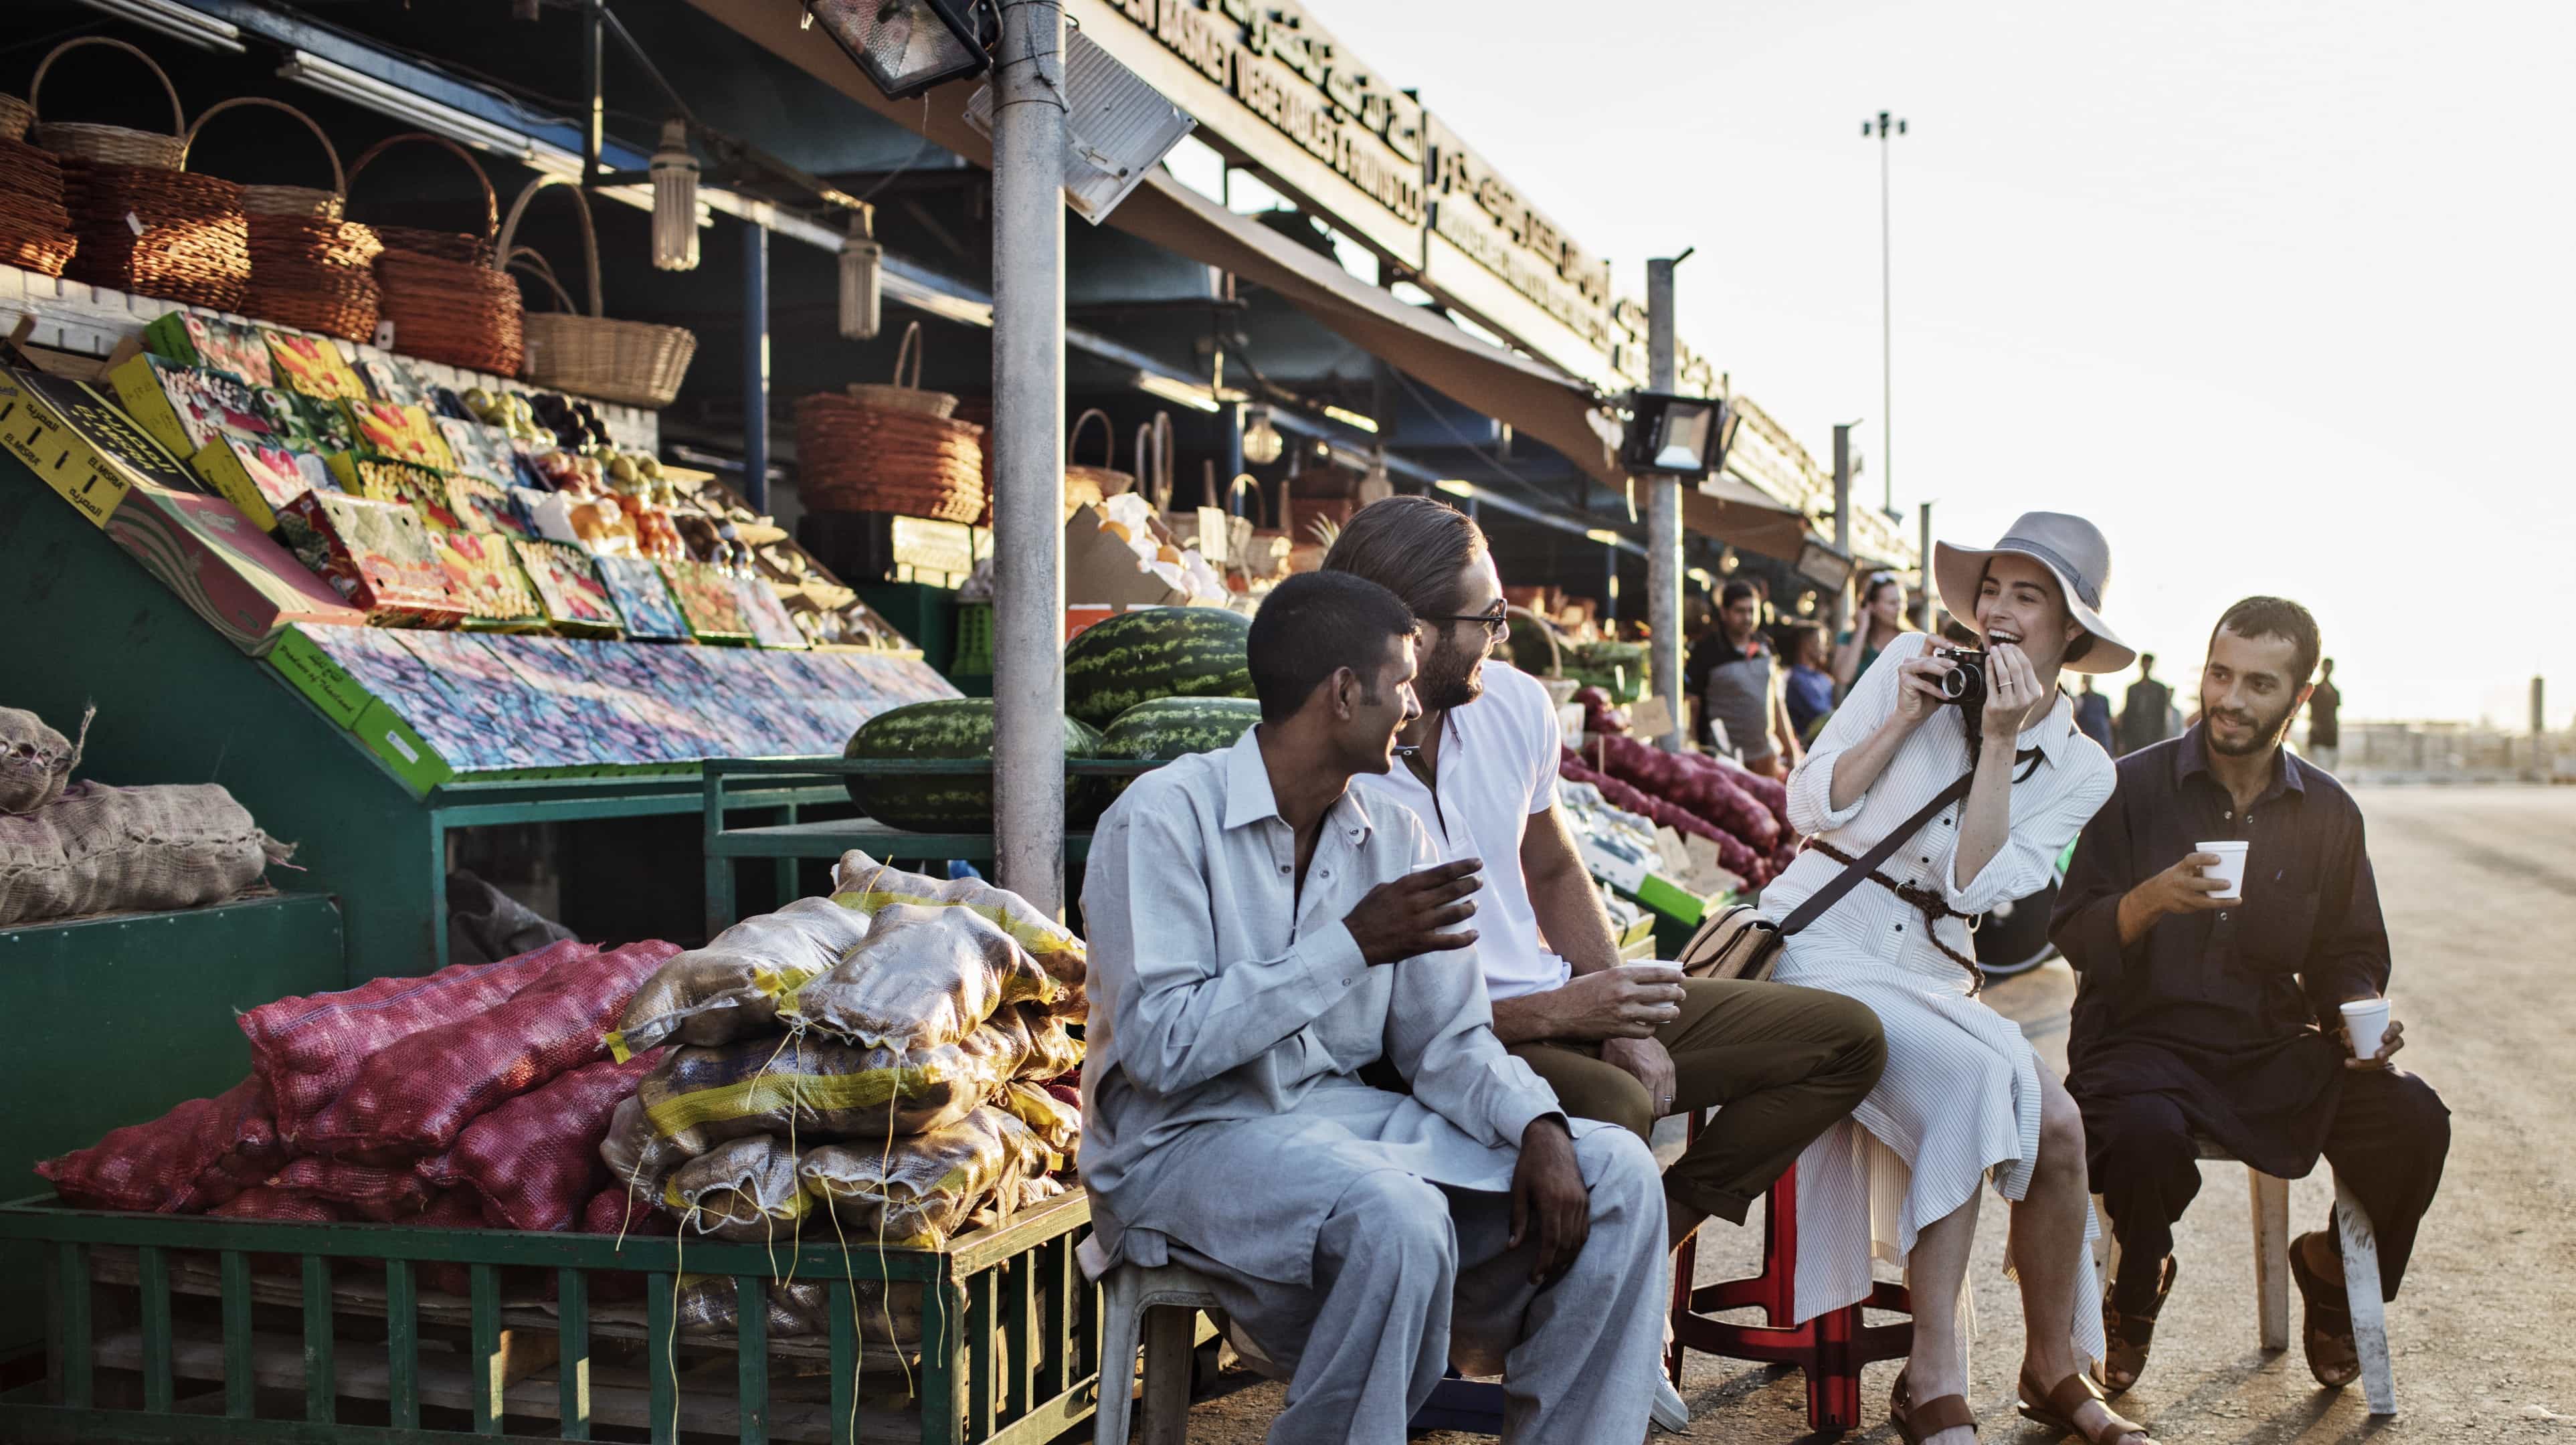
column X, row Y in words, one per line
column 1497, row 623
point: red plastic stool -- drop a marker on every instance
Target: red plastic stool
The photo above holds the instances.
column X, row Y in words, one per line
column 1830, row 1348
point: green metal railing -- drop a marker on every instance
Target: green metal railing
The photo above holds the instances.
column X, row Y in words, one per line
column 168, row 1328
column 726, row 780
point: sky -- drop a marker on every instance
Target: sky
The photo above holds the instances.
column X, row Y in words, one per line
column 2278, row 295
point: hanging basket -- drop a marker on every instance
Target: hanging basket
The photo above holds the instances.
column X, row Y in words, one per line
column 112, row 145
column 446, row 301
column 902, row 395
column 636, row 362
column 1093, row 485
column 853, row 457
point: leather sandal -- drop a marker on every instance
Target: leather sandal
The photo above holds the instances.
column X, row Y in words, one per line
column 2332, row 1356
column 2056, row 1408
column 1917, row 1423
column 2127, row 1335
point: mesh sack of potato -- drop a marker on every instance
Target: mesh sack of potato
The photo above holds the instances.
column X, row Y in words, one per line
column 926, row 976
column 729, row 989
column 864, row 885
column 36, row 762
column 811, row 1089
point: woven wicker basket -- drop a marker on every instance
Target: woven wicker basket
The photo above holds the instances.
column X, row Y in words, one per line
column 902, row 395
column 283, row 200
column 1084, row 484
column 15, row 116
column 35, row 231
column 308, row 268
column 113, row 145
column 439, row 289
column 146, row 231
column 636, row 362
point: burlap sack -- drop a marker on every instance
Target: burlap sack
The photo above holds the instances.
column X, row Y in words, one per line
column 99, row 849
column 36, row 762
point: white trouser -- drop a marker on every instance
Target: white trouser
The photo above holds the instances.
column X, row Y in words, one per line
column 1399, row 1259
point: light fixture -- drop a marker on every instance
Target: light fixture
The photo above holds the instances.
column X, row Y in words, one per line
column 1456, row 488
column 179, row 22
column 1351, row 418
column 862, row 278
column 1262, row 443
column 334, row 79
column 1196, row 398
column 1675, row 435
column 905, row 46
column 1117, row 127
column 1819, row 563
column 675, row 200
column 1602, row 535
column 1700, row 576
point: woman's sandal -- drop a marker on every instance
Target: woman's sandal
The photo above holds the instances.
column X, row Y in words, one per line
column 1917, row 1423
column 2127, row 1336
column 2332, row 1356
column 2057, row 1407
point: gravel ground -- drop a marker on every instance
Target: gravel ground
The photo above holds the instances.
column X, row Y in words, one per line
column 2480, row 891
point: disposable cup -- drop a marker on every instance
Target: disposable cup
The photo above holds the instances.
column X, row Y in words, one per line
column 2229, row 869
column 2366, row 1019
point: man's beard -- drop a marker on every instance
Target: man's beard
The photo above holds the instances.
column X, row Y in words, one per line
column 1448, row 679
column 2267, row 732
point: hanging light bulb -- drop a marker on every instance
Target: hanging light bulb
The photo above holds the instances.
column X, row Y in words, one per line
column 1376, row 486
column 862, row 281
column 675, row 200
column 1262, row 443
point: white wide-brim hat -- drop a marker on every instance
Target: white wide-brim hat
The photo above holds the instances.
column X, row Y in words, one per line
column 2072, row 549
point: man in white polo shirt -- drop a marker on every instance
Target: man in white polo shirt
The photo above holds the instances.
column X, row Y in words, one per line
column 1622, row 1043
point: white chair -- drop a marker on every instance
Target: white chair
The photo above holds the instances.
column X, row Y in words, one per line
column 1162, row 1304
column 2271, row 1201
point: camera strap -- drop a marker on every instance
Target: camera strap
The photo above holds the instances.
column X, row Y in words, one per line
column 1823, row 899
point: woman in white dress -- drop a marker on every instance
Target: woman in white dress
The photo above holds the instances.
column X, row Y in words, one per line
column 1963, row 1098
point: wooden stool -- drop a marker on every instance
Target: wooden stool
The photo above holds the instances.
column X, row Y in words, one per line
column 2270, row 1198
column 1830, row 1348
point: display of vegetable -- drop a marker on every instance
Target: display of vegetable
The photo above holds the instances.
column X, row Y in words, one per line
column 1699, row 784
column 1600, row 714
column 1732, row 852
column 951, row 728
column 1152, row 653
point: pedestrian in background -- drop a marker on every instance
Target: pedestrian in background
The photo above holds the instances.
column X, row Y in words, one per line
column 1742, row 690
column 1881, row 621
column 2325, row 734
column 2093, row 716
column 2146, row 715
column 1809, row 692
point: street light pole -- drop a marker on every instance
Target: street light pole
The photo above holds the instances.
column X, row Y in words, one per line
column 1884, row 127
column 1663, row 518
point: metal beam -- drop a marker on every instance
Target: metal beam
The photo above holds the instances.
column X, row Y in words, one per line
column 755, row 367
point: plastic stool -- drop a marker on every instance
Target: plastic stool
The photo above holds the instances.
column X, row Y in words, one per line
column 1830, row 1348
column 1172, row 1296
column 2270, row 1197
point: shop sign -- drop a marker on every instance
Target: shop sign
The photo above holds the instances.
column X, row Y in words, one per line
column 1276, row 62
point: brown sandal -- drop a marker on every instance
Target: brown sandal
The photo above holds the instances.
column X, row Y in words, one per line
column 2127, row 1336
column 1916, row 1423
column 2056, row 1409
column 2332, row 1356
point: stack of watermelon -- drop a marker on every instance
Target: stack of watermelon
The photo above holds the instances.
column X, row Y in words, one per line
column 1150, row 685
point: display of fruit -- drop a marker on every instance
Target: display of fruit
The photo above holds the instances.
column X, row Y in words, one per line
column 1136, row 657
column 1175, row 727
column 951, row 728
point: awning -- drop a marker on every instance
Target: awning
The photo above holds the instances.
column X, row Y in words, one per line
column 1741, row 515
column 1530, row 396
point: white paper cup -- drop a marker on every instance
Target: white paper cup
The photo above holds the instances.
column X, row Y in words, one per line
column 2366, row 1020
column 2229, row 869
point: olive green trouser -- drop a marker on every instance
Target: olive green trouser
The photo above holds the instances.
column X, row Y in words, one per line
column 1780, row 1063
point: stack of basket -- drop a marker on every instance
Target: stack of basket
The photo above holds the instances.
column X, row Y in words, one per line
column 891, row 448
column 143, row 224
column 309, row 268
column 447, row 300
column 35, row 230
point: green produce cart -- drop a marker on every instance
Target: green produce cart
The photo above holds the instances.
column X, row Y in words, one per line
column 163, row 1328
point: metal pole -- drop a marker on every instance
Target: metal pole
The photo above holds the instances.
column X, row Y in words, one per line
column 594, row 76
column 755, row 365
column 1663, row 519
column 1028, row 452
column 1927, row 600
column 1886, row 337
column 1841, row 614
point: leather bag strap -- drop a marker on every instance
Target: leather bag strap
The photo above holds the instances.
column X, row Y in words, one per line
column 1867, row 863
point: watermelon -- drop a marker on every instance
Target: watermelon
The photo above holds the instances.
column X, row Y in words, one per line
column 1160, row 652
column 951, row 728
column 1175, row 727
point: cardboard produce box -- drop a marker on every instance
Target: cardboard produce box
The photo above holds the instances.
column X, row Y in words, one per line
column 1101, row 566
column 259, row 478
column 217, row 345
column 184, row 408
column 376, row 555
column 312, row 365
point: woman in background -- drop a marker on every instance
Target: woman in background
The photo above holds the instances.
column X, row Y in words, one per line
column 1881, row 621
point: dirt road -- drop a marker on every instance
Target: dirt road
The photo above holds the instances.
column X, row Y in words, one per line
column 2480, row 891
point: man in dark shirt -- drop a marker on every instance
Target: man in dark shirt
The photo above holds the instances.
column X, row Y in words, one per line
column 2325, row 735
column 2093, row 716
column 2144, row 714
column 2197, row 1017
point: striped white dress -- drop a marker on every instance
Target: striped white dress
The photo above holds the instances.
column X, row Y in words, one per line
column 1959, row 1100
